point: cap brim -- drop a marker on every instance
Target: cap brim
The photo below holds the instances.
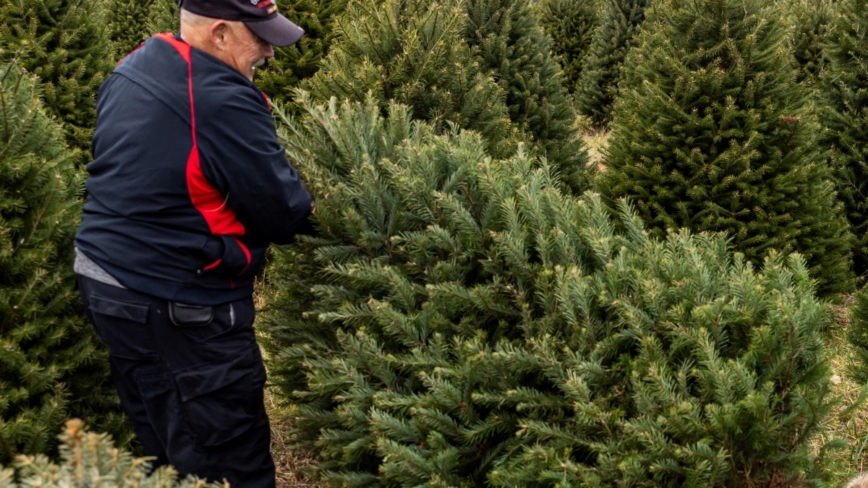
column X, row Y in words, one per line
column 277, row 31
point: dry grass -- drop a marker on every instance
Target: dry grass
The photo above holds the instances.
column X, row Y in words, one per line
column 852, row 426
column 290, row 463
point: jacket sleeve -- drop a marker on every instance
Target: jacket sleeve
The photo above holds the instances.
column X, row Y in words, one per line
column 242, row 158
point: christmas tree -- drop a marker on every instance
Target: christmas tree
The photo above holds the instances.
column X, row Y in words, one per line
column 619, row 23
column 712, row 132
column 809, row 22
column 127, row 22
column 90, row 460
column 302, row 60
column 843, row 115
column 52, row 365
column 571, row 25
column 508, row 38
column 64, row 43
column 460, row 320
column 413, row 52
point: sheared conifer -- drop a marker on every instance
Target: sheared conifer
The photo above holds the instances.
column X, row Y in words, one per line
column 291, row 65
column 619, row 22
column 712, row 132
column 844, row 115
column 413, row 52
column 52, row 364
column 571, row 25
column 64, row 43
column 127, row 22
column 460, row 320
column 508, row 38
column 809, row 22
column 90, row 460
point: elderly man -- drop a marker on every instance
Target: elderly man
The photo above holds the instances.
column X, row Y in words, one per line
column 187, row 188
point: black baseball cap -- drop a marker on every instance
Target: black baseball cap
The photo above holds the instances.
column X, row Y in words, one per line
column 260, row 16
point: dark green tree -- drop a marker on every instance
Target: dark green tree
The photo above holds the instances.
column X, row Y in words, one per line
column 413, row 52
column 302, row 60
column 571, row 25
column 619, row 22
column 127, row 24
column 52, row 365
column 64, row 43
column 509, row 40
column 163, row 16
column 844, row 115
column 462, row 321
column 857, row 335
column 712, row 132
column 809, row 22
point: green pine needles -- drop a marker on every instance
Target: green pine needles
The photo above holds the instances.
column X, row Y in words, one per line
column 291, row 65
column 476, row 65
column 51, row 365
column 712, row 132
column 571, row 25
column 508, row 37
column 844, row 87
column 619, row 23
column 90, row 460
column 64, row 43
column 462, row 321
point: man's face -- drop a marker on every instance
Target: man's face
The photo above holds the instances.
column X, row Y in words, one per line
column 245, row 50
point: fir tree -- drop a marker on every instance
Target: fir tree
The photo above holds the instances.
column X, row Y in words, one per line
column 63, row 42
column 619, row 23
column 844, row 87
column 412, row 52
column 462, row 321
column 127, row 22
column 713, row 133
column 509, row 40
column 857, row 335
column 89, row 460
column 809, row 22
column 571, row 25
column 51, row 365
column 163, row 16
column 291, row 65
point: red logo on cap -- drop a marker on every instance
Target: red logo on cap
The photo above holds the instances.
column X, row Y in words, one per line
column 264, row 3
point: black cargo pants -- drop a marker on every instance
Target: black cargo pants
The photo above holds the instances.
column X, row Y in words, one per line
column 194, row 394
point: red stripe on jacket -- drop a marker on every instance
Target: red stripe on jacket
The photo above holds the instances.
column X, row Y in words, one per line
column 206, row 199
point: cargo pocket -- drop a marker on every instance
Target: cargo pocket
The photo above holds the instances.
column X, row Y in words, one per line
column 123, row 327
column 222, row 400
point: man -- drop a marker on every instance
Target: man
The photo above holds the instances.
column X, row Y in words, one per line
column 187, row 188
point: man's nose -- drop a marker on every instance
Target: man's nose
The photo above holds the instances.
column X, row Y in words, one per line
column 268, row 51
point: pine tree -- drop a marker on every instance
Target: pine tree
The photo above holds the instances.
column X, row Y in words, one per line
column 293, row 64
column 619, row 23
column 809, row 22
column 127, row 22
column 857, row 335
column 571, row 25
column 412, row 52
column 51, row 365
column 713, row 133
column 462, row 321
column 89, row 460
column 844, row 86
column 63, row 42
column 509, row 40
column 163, row 16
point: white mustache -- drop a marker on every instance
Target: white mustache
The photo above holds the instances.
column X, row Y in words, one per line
column 259, row 63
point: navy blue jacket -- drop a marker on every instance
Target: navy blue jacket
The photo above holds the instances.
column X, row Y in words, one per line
column 189, row 183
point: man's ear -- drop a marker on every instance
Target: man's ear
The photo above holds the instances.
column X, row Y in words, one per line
column 219, row 32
